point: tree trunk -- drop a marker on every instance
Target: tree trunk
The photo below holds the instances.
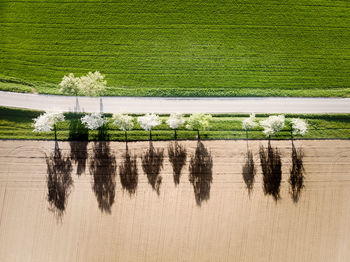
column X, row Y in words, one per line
column 150, row 134
column 126, row 136
column 175, row 134
column 198, row 137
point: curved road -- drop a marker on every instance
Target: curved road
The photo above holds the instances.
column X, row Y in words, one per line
column 181, row 105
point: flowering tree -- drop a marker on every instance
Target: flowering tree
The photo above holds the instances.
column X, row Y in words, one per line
column 93, row 84
column 45, row 122
column 272, row 125
column 69, row 86
column 198, row 121
column 299, row 126
column 93, row 121
column 175, row 121
column 123, row 122
column 148, row 121
column 249, row 123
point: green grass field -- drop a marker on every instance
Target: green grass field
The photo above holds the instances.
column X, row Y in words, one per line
column 179, row 48
column 17, row 124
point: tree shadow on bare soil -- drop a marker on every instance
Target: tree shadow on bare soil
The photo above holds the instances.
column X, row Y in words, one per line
column 177, row 157
column 78, row 141
column 103, row 169
column 201, row 165
column 249, row 171
column 296, row 179
column 59, row 181
column 271, row 166
column 128, row 172
column 152, row 163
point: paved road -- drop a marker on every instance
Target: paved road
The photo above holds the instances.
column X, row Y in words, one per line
column 181, row 105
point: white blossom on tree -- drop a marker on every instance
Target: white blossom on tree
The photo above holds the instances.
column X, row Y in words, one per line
column 123, row 121
column 249, row 123
column 272, row 125
column 69, row 85
column 45, row 122
column 94, row 121
column 198, row 121
column 299, row 126
column 148, row 121
column 92, row 84
column 175, row 120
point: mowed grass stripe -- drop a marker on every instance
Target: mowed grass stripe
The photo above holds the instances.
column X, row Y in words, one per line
column 228, row 48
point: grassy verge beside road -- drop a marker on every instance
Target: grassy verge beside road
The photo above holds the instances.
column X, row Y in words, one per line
column 17, row 124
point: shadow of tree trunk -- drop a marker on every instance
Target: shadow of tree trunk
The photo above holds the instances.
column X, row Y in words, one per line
column 271, row 166
column 77, row 106
column 177, row 157
column 152, row 163
column 103, row 169
column 102, row 134
column 201, row 176
column 59, row 181
column 128, row 172
column 101, row 105
column 78, row 141
column 296, row 179
column 249, row 171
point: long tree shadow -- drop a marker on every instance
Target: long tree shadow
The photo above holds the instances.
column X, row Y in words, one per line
column 177, row 157
column 271, row 166
column 296, row 179
column 103, row 169
column 152, row 163
column 249, row 171
column 59, row 181
column 78, row 141
column 201, row 165
column 128, row 172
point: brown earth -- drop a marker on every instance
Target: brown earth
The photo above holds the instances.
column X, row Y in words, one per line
column 101, row 221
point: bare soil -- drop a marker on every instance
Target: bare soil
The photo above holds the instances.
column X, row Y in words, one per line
column 116, row 209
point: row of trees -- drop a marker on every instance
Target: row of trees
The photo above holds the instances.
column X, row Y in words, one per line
column 197, row 121
column 274, row 124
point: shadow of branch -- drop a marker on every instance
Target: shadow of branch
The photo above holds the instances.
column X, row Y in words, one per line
column 201, row 176
column 177, row 157
column 296, row 179
column 152, row 163
column 103, row 169
column 249, row 171
column 271, row 166
column 59, row 181
column 128, row 172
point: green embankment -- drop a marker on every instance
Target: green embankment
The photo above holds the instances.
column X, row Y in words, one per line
column 179, row 48
column 17, row 124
